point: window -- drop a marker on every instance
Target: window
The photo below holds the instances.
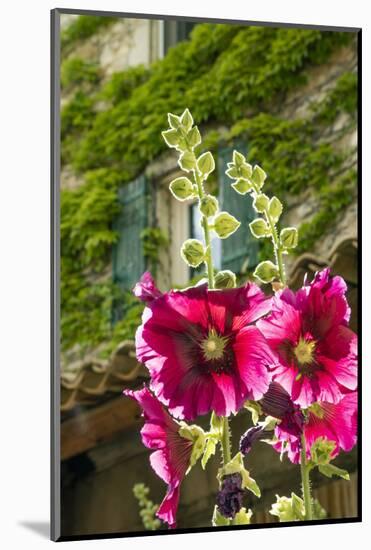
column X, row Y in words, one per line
column 128, row 262
column 240, row 251
column 176, row 31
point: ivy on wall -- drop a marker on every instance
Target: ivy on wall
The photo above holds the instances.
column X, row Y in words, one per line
column 228, row 75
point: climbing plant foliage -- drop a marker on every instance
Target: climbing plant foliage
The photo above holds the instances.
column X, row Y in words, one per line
column 231, row 77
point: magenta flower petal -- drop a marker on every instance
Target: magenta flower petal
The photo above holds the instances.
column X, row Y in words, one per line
column 146, row 289
column 334, row 421
column 168, row 507
column 317, row 352
column 171, row 457
column 201, row 351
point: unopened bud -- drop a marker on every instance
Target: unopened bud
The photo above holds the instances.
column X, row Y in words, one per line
column 261, row 203
column 209, row 206
column 289, row 237
column 206, row 164
column 275, row 209
column 258, row 176
column 187, row 161
column 266, row 272
column 225, row 225
column 193, row 252
column 225, row 279
column 181, row 188
column 259, row 228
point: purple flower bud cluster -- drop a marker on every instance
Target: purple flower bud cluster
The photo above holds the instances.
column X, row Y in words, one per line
column 229, row 497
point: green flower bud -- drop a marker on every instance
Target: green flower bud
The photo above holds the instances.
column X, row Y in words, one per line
column 261, row 202
column 243, row 517
column 209, row 206
column 174, row 121
column 242, row 186
column 275, row 209
column 258, row 176
column 206, row 164
column 193, row 252
column 238, row 158
column 187, row 161
column 232, row 171
column 266, row 272
column 171, row 137
column 186, row 120
column 289, row 237
column 225, row 279
column 259, row 228
column 245, row 171
column 225, row 225
column 288, row 509
column 194, row 137
column 181, row 188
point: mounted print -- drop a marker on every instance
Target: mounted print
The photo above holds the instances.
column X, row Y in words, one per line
column 205, row 250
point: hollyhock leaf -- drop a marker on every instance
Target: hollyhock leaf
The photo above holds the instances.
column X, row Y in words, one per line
column 242, row 186
column 186, row 120
column 275, row 209
column 181, row 188
column 243, row 517
column 258, row 176
column 174, row 121
column 225, row 225
column 194, row 137
column 209, row 451
column 171, row 137
column 330, row 470
column 206, row 164
column 218, row 520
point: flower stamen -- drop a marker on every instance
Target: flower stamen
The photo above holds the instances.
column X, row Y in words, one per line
column 213, row 346
column 304, row 351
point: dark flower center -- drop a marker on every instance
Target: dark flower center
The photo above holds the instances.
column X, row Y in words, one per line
column 216, row 353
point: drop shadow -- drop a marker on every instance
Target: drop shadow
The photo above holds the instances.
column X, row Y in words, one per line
column 42, row 528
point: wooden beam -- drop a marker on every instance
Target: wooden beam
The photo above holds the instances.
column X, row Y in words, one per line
column 90, row 428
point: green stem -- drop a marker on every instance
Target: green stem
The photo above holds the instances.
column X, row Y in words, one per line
column 226, row 444
column 276, row 242
column 206, row 229
column 277, row 248
column 304, row 467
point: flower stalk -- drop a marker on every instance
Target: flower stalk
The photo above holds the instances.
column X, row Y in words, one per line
column 305, row 481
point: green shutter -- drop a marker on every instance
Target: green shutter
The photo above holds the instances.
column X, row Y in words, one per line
column 128, row 262
column 240, row 250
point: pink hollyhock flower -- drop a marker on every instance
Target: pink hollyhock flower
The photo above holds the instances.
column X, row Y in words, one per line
column 317, row 351
column 202, row 352
column 334, row 421
column 146, row 289
column 172, row 453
